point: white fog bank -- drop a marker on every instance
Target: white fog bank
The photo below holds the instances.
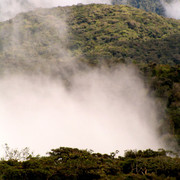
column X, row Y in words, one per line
column 100, row 111
column 172, row 9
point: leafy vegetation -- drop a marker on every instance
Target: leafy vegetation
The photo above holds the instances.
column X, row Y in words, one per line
column 69, row 163
column 98, row 33
column 164, row 82
column 121, row 33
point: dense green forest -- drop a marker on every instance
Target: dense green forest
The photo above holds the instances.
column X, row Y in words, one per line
column 98, row 35
column 68, row 163
column 121, row 33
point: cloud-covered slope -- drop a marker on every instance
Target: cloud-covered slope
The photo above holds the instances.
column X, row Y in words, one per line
column 99, row 33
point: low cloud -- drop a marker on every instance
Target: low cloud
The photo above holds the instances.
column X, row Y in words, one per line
column 172, row 9
column 100, row 110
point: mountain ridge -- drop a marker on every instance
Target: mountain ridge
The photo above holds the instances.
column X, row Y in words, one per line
column 116, row 32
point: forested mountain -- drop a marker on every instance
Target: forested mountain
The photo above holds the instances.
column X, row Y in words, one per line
column 125, row 33
column 98, row 35
column 112, row 33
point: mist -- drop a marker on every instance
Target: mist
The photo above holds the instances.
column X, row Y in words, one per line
column 55, row 101
column 10, row 8
column 172, row 9
column 101, row 110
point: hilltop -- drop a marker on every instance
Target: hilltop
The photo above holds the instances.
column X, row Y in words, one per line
column 110, row 33
column 125, row 34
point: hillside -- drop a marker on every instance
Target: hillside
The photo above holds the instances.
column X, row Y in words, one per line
column 125, row 34
column 94, row 32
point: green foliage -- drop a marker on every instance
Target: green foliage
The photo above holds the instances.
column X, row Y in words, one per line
column 97, row 33
column 164, row 82
column 69, row 163
column 145, row 154
column 113, row 33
